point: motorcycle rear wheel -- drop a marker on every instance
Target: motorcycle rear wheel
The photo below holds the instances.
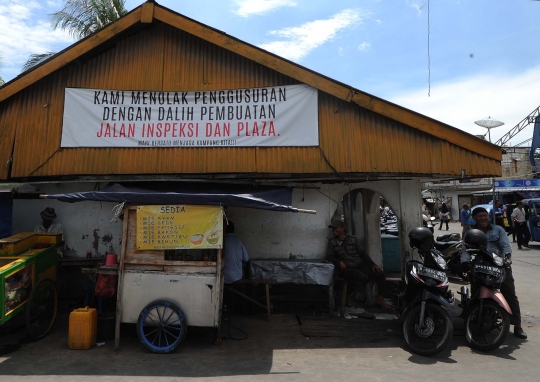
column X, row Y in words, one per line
column 437, row 332
column 488, row 332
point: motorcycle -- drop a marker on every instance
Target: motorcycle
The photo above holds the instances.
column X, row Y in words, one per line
column 486, row 311
column 426, row 322
column 451, row 252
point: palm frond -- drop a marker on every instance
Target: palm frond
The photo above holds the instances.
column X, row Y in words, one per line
column 84, row 17
column 2, row 82
column 35, row 59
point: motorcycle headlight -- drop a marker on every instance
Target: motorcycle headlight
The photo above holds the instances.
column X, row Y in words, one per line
column 439, row 260
column 497, row 259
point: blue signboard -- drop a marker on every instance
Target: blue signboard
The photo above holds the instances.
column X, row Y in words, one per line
column 517, row 185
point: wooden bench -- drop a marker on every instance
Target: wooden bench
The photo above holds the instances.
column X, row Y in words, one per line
column 267, row 283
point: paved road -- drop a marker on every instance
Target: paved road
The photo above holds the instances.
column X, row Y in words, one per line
column 278, row 351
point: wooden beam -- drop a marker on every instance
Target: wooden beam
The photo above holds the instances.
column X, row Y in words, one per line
column 147, row 13
column 120, row 288
column 70, row 54
column 428, row 125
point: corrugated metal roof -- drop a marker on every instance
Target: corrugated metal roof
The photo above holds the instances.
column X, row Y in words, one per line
column 372, row 139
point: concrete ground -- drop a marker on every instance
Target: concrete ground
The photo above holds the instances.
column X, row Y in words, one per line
column 278, row 351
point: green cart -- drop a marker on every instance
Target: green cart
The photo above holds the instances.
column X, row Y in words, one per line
column 28, row 269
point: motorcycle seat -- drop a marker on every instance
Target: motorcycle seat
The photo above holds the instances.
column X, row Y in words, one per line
column 448, row 237
column 442, row 245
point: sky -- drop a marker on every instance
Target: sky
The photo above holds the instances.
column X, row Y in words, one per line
column 457, row 61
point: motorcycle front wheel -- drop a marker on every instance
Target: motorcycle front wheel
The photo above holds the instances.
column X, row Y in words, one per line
column 488, row 331
column 435, row 334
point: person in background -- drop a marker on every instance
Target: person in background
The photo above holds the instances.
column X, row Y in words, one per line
column 499, row 217
column 235, row 256
column 445, row 216
column 352, row 262
column 49, row 225
column 512, row 231
column 520, row 226
column 465, row 215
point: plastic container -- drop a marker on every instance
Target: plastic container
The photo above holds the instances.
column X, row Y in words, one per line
column 82, row 328
column 391, row 251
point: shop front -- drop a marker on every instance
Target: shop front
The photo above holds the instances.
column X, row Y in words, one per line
column 191, row 110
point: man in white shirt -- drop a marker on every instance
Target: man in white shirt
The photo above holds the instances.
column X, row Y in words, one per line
column 48, row 215
column 520, row 225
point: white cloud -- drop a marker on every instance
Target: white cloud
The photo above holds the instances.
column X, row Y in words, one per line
column 419, row 8
column 22, row 34
column 364, row 46
column 298, row 41
column 341, row 51
column 258, row 7
column 508, row 98
column 378, row 21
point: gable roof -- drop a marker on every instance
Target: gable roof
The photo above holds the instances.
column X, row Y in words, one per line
column 149, row 11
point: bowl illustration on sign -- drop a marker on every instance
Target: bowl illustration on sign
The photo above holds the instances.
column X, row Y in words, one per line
column 213, row 238
column 197, row 238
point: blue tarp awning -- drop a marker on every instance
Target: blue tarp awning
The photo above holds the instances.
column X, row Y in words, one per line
column 260, row 197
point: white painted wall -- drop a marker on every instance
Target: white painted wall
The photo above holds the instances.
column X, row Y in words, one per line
column 266, row 234
column 87, row 225
column 284, row 235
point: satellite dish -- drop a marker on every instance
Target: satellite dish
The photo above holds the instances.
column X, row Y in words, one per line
column 489, row 123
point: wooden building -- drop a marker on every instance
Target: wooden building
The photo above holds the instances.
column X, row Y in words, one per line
column 363, row 141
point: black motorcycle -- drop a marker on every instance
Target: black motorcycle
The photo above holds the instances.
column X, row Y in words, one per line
column 450, row 246
column 426, row 322
column 486, row 311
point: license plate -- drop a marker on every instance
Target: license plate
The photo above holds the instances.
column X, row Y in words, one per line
column 487, row 269
column 434, row 274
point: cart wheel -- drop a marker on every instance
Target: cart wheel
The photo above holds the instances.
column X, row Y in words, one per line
column 41, row 309
column 161, row 326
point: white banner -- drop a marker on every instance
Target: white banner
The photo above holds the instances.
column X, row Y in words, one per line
column 273, row 116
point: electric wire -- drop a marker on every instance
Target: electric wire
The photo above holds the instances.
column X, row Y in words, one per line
column 229, row 326
column 428, row 53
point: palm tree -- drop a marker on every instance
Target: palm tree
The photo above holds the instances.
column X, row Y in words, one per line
column 81, row 18
column 35, row 59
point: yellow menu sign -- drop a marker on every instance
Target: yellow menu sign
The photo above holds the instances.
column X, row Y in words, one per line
column 179, row 227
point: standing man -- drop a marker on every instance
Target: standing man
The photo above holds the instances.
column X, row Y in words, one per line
column 48, row 225
column 352, row 262
column 465, row 215
column 235, row 256
column 498, row 219
column 520, row 226
column 498, row 240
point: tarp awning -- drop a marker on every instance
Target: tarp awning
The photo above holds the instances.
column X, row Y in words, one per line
column 259, row 197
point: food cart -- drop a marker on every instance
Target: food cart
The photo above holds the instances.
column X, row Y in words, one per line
column 28, row 269
column 170, row 272
column 175, row 278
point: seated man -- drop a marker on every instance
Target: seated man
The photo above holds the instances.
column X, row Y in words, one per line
column 49, row 225
column 352, row 262
column 235, row 256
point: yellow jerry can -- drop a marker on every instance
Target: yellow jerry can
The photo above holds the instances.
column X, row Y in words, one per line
column 82, row 328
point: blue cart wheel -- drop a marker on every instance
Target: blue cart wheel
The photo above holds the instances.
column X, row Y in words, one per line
column 161, row 326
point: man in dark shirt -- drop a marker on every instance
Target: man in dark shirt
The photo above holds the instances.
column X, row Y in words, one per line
column 352, row 262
